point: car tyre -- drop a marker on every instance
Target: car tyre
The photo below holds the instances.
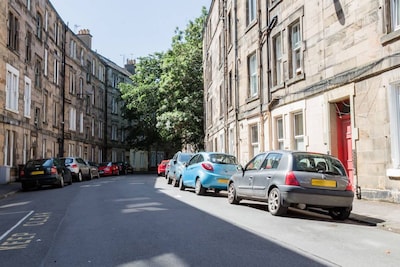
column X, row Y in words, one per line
column 80, row 178
column 25, row 187
column 275, row 204
column 181, row 185
column 232, row 197
column 169, row 180
column 340, row 213
column 61, row 183
column 199, row 189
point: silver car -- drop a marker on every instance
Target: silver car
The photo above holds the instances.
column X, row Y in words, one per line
column 78, row 167
column 294, row 178
column 176, row 166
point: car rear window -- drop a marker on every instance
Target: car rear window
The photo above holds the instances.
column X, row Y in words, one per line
column 39, row 162
column 223, row 159
column 185, row 157
column 318, row 163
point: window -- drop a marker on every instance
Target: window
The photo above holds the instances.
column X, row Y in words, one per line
column 39, row 23
column 13, row 32
column 395, row 14
column 25, row 148
column 9, row 148
column 55, row 113
column 295, row 50
column 277, row 57
column 81, row 122
column 230, row 89
column 251, row 11
column 72, row 119
column 101, row 128
column 88, row 71
column 254, row 139
column 46, row 60
column 272, row 161
column 44, row 107
column 72, row 49
column 93, row 126
column 231, row 140
column 46, row 21
column 38, row 73
column 230, row 26
column 12, row 88
column 28, row 4
column 72, row 89
column 114, row 106
column 44, row 148
column 255, row 163
column 114, row 132
column 56, row 68
column 222, row 100
column 252, row 67
column 80, row 87
column 28, row 47
column 27, row 97
column 394, row 115
column 279, row 133
column 298, row 131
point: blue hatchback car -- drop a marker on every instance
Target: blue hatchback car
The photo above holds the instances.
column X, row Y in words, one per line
column 208, row 170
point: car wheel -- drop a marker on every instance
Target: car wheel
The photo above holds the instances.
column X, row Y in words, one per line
column 274, row 202
column 61, row 183
column 232, row 198
column 25, row 187
column 169, row 180
column 175, row 183
column 340, row 213
column 90, row 175
column 181, row 185
column 199, row 189
column 80, row 178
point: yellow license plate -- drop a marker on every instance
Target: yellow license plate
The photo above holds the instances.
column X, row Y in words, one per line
column 324, row 183
column 223, row 181
column 37, row 172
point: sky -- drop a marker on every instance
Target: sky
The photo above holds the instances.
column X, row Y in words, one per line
column 129, row 29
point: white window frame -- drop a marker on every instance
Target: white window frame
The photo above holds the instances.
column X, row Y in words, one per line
column 72, row 119
column 298, row 133
column 46, row 58
column 280, row 133
column 251, row 11
column 9, row 148
column 296, row 56
column 81, row 122
column 253, row 81
column 27, row 97
column 395, row 14
column 254, row 139
column 278, row 64
column 12, row 88
column 394, row 107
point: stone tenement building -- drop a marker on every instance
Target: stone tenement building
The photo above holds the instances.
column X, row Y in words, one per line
column 310, row 75
column 57, row 96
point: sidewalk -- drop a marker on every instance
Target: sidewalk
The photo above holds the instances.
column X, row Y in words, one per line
column 375, row 213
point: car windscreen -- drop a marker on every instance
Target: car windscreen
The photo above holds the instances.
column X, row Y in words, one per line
column 185, row 157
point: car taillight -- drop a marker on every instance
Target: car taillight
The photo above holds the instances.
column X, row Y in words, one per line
column 291, row 179
column 21, row 173
column 74, row 166
column 349, row 186
column 53, row 170
column 207, row 166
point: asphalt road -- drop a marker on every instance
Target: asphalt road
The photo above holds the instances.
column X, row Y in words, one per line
column 139, row 220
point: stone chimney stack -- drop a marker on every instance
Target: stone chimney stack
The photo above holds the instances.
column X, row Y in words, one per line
column 86, row 37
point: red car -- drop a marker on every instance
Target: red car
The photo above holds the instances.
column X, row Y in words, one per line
column 162, row 166
column 108, row 168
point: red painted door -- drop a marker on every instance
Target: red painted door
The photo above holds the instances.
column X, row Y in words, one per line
column 345, row 149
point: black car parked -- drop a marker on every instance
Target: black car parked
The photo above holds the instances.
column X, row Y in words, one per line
column 48, row 171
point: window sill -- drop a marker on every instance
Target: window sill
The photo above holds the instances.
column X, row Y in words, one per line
column 277, row 87
column 296, row 79
column 393, row 174
column 390, row 37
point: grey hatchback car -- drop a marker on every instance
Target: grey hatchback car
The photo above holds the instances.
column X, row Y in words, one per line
column 78, row 167
column 294, row 179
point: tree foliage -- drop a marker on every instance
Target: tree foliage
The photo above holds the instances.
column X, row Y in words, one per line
column 166, row 95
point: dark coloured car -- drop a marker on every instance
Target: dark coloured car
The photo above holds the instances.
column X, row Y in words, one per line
column 94, row 169
column 49, row 171
column 208, row 170
column 124, row 167
column 294, row 179
column 176, row 165
column 78, row 167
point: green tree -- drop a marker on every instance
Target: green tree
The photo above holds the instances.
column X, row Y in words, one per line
column 166, row 94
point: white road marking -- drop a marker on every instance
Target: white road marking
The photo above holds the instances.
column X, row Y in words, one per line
column 16, row 225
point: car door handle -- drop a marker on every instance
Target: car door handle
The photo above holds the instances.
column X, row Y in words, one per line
column 269, row 177
column 250, row 177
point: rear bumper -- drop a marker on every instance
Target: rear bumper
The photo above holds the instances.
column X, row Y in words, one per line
column 316, row 197
column 40, row 181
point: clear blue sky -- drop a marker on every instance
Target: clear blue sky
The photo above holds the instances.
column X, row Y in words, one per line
column 125, row 29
